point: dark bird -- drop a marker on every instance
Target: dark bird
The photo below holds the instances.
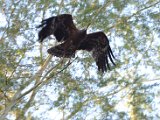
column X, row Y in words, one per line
column 73, row 39
column 97, row 43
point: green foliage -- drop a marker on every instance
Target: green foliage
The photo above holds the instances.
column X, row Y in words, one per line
column 130, row 90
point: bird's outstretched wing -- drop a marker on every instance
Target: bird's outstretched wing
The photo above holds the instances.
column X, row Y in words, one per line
column 98, row 44
column 60, row 26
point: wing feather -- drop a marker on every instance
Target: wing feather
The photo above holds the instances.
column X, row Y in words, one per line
column 98, row 43
column 61, row 51
column 60, row 26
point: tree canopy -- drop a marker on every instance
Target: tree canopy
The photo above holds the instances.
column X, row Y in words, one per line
column 38, row 86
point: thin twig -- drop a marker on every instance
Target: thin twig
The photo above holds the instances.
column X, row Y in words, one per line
column 60, row 6
column 134, row 14
column 97, row 12
column 48, row 78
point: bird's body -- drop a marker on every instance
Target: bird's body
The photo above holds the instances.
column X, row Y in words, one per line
column 69, row 46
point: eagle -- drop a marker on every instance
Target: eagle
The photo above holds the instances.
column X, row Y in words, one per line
column 72, row 39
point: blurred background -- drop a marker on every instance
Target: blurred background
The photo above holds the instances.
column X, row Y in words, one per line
column 32, row 89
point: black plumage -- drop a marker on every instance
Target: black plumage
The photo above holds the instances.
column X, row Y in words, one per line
column 73, row 39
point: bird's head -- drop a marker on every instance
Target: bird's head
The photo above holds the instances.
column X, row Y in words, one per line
column 83, row 33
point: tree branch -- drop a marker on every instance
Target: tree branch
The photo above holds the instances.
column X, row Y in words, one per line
column 134, row 14
column 18, row 95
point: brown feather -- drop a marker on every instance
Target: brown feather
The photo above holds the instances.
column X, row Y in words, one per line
column 63, row 28
column 60, row 26
column 98, row 43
